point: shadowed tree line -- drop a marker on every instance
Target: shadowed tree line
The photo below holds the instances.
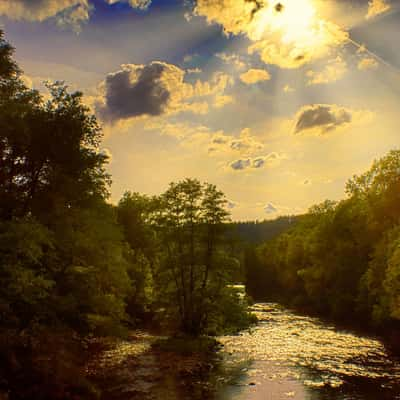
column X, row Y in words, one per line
column 73, row 266
column 342, row 259
column 257, row 232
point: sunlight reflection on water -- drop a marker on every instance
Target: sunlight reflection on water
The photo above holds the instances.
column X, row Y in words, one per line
column 306, row 355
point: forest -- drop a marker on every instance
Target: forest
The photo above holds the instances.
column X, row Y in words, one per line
column 342, row 259
column 74, row 266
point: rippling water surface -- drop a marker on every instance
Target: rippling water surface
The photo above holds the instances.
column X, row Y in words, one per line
column 288, row 356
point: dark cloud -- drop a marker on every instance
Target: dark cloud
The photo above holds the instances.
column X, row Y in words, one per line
column 238, row 145
column 239, row 165
column 322, row 117
column 220, row 140
column 135, row 91
column 256, row 163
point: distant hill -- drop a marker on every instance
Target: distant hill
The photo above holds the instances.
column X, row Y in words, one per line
column 256, row 232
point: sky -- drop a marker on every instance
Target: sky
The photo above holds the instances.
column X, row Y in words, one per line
column 278, row 103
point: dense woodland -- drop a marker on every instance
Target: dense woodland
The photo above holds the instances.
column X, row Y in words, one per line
column 342, row 259
column 74, row 267
column 257, row 232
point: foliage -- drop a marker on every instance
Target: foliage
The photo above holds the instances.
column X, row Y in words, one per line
column 257, row 232
column 62, row 253
column 341, row 259
column 194, row 267
column 134, row 212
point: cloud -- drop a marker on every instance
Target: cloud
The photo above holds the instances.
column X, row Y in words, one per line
column 270, row 209
column 254, row 76
column 377, row 7
column 322, row 118
column 139, row 4
column 333, row 71
column 232, row 59
column 155, row 89
column 182, row 131
column 71, row 12
column 139, row 90
column 222, row 100
column 245, row 144
column 257, row 162
column 240, row 164
column 216, row 86
column 367, row 63
column 66, row 12
column 194, row 71
column 289, row 37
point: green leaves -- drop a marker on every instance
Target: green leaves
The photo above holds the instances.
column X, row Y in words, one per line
column 341, row 259
column 193, row 269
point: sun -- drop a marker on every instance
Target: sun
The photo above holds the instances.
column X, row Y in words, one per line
column 292, row 19
column 291, row 33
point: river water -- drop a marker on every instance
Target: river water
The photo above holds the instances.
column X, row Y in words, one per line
column 290, row 356
column 286, row 356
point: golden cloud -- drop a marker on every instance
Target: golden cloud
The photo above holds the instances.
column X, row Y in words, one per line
column 367, row 63
column 65, row 12
column 232, row 59
column 377, row 7
column 72, row 12
column 140, row 4
column 333, row 71
column 289, row 36
column 155, row 89
column 255, row 75
column 245, row 144
column 223, row 100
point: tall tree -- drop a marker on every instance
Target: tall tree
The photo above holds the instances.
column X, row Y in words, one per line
column 194, row 268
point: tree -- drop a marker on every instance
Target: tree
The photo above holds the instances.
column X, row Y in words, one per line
column 134, row 213
column 194, row 269
column 8, row 67
column 63, row 257
column 341, row 258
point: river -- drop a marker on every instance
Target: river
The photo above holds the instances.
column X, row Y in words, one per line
column 286, row 356
column 297, row 357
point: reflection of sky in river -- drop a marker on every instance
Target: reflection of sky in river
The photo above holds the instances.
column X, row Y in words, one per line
column 297, row 350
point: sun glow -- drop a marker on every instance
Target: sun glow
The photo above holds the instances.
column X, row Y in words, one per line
column 290, row 33
column 294, row 19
